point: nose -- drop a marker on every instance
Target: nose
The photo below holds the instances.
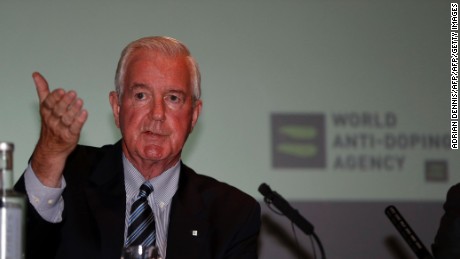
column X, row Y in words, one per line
column 158, row 110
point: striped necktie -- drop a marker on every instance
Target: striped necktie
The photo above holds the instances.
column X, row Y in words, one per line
column 141, row 225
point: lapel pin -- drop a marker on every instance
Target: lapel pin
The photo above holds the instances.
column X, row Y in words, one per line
column 194, row 233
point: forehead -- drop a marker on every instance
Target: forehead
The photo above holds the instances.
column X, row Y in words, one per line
column 151, row 67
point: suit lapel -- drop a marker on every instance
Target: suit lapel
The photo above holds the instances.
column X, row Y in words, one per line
column 106, row 197
column 188, row 231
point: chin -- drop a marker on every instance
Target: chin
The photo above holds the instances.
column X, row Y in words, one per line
column 150, row 152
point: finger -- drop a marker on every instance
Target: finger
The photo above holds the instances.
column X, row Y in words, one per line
column 41, row 86
column 64, row 104
column 52, row 99
column 73, row 110
column 77, row 124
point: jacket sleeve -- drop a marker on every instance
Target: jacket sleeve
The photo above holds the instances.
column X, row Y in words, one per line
column 447, row 240
column 245, row 244
column 42, row 237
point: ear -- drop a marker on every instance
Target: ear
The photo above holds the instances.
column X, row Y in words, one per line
column 196, row 113
column 114, row 103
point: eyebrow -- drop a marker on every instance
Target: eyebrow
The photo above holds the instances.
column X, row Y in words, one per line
column 137, row 85
column 170, row 89
column 176, row 91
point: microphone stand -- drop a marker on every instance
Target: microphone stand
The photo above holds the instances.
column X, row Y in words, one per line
column 296, row 217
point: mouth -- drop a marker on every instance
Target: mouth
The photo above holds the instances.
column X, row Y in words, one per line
column 150, row 132
column 158, row 134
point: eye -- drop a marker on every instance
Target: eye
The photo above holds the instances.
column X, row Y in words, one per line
column 139, row 96
column 174, row 98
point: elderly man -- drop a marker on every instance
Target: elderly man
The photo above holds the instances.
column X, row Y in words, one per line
column 88, row 202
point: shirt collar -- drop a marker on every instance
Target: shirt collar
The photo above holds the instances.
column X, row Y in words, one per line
column 164, row 185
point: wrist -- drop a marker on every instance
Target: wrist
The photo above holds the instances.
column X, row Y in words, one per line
column 48, row 167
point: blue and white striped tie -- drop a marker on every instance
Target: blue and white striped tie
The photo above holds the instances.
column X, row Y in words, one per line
column 141, row 225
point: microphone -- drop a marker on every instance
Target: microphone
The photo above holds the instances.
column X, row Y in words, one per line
column 407, row 233
column 282, row 205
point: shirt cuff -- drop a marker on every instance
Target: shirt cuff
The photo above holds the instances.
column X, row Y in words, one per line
column 46, row 200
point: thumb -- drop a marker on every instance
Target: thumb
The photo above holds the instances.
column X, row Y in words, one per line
column 41, row 86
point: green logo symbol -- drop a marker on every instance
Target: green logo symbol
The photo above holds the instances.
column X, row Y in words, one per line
column 298, row 141
column 299, row 133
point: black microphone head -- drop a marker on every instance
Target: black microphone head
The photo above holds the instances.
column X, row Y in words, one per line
column 265, row 190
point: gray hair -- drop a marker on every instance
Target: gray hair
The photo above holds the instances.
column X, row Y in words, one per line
column 167, row 46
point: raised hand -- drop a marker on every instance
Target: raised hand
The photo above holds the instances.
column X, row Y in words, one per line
column 62, row 118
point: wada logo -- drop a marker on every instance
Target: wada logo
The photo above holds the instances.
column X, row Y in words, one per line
column 298, row 140
column 299, row 133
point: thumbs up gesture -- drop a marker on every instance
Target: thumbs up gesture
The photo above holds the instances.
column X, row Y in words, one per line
column 62, row 118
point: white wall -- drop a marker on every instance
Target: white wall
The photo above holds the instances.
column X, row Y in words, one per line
column 257, row 58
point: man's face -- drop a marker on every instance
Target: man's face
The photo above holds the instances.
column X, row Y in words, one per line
column 156, row 112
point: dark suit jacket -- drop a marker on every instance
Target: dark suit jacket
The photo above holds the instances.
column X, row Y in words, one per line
column 227, row 220
column 447, row 241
